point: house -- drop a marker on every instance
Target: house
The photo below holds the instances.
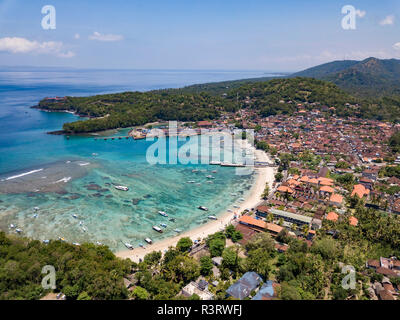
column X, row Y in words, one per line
column 244, row 286
column 204, row 124
column 353, row 221
column 199, row 288
column 217, row 261
column 253, row 223
column 360, row 191
column 291, row 217
column 262, row 211
column 336, row 200
column 332, row 216
column 268, row 291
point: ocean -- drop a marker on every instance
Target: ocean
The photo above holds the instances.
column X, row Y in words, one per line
column 72, row 181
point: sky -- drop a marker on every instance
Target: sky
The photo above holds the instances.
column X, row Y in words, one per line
column 285, row 35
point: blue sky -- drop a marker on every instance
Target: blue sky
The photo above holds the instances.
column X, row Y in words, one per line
column 191, row 34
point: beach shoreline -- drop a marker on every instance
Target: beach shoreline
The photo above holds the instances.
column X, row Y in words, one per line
column 263, row 176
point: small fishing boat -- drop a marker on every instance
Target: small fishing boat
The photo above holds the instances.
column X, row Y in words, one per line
column 76, row 244
column 162, row 213
column 178, row 230
column 12, row 226
column 172, row 219
column 84, row 229
column 195, row 170
column 163, row 225
column 121, row 188
column 35, row 216
column 191, row 181
column 18, row 230
column 75, row 216
column 210, row 177
column 212, row 218
column 214, row 171
column 148, row 240
column 128, row 245
column 159, row 230
column 203, row 208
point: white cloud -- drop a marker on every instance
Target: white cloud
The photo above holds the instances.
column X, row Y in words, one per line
column 23, row 45
column 361, row 13
column 105, row 37
column 396, row 46
column 77, row 36
column 388, row 21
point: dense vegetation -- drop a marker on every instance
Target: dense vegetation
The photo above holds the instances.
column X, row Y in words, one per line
column 81, row 271
column 368, row 78
column 277, row 96
column 136, row 108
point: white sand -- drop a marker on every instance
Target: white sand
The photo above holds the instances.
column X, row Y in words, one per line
column 264, row 176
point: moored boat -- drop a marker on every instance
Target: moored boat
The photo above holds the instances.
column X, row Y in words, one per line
column 203, row 208
column 148, row 240
column 128, row 245
column 121, row 188
column 212, row 218
column 162, row 213
column 178, row 230
column 159, row 230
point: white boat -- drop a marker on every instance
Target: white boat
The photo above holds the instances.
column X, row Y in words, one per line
column 191, row 181
column 163, row 225
column 210, row 177
column 212, row 218
column 121, row 188
column 36, row 208
column 18, row 230
column 155, row 228
column 35, row 216
column 178, row 230
column 162, row 213
column 76, row 244
column 215, row 163
column 12, row 226
column 148, row 240
column 203, row 208
column 235, row 206
column 46, row 241
column 99, row 243
column 75, row 216
column 84, row 229
column 195, row 170
column 128, row 245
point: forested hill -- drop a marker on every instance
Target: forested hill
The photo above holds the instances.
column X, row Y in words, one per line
column 277, row 96
column 367, row 78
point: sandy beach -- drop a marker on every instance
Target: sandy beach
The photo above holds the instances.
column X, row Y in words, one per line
column 263, row 176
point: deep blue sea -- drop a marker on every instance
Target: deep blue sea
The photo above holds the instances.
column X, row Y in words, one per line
column 71, row 181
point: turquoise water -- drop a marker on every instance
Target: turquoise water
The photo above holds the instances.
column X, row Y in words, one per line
column 77, row 176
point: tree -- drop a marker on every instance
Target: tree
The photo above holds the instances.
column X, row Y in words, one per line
column 84, row 296
column 184, row 244
column 230, row 258
column 140, row 293
column 153, row 258
column 206, row 265
column 279, row 177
